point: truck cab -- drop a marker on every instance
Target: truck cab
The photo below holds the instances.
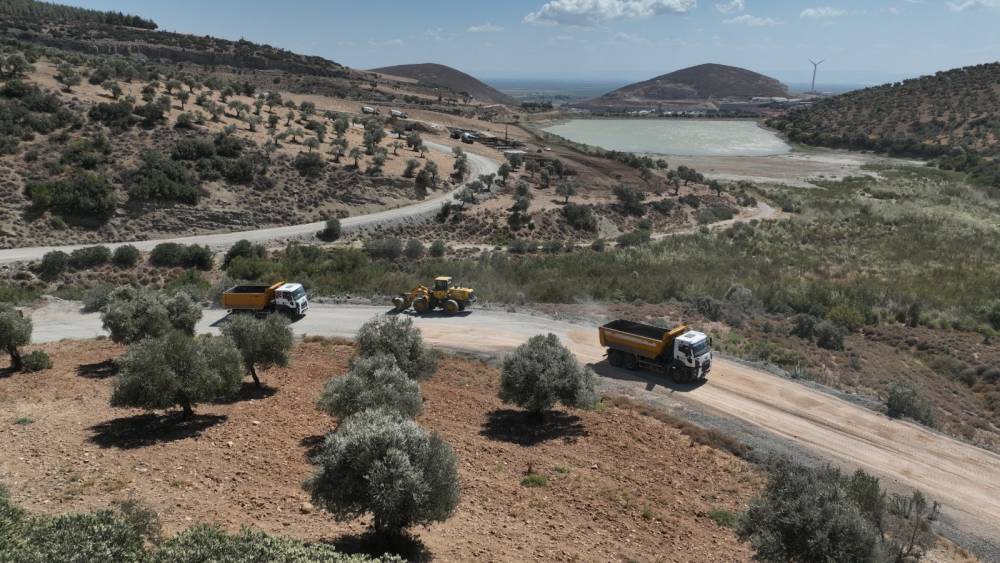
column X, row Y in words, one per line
column 291, row 297
column 693, row 350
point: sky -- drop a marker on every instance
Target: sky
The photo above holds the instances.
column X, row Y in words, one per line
column 862, row 42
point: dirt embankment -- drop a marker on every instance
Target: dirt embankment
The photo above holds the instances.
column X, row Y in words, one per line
column 620, row 485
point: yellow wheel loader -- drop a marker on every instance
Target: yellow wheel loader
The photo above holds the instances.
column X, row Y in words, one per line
column 444, row 295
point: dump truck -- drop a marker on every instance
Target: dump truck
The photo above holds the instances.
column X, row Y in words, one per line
column 282, row 297
column 685, row 355
column 399, row 114
column 444, row 295
column 368, row 110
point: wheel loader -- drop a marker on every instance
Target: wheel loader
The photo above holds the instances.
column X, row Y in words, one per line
column 444, row 295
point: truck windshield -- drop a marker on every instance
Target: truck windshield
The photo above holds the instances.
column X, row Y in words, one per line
column 700, row 348
column 298, row 294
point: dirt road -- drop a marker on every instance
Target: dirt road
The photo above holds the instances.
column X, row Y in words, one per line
column 965, row 479
column 477, row 165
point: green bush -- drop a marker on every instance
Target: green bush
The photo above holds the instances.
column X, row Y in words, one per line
column 390, row 248
column 438, row 248
column 580, row 217
column 637, row 237
column 847, row 317
column 414, row 249
column 84, row 195
column 89, row 257
column 535, row 480
column 374, row 382
column 381, row 463
column 829, row 336
column 397, row 337
column 243, row 249
column 630, row 199
column 125, row 256
column 542, row 372
column 177, row 369
column 193, row 149
column 331, row 232
column 160, row 178
column 53, row 263
column 97, row 298
column 723, row 518
column 906, row 400
column 131, row 315
column 37, row 360
column 173, row 255
column 201, row 541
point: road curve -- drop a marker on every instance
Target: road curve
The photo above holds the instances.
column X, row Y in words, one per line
column 478, row 165
column 965, row 479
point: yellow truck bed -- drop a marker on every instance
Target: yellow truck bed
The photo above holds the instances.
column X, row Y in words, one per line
column 645, row 341
column 249, row 297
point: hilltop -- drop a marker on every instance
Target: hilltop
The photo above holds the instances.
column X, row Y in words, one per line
column 441, row 76
column 695, row 84
column 952, row 116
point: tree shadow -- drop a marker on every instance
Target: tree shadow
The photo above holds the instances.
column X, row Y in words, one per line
column 528, row 429
column 7, row 372
column 100, row 370
column 313, row 445
column 139, row 431
column 369, row 543
column 248, row 392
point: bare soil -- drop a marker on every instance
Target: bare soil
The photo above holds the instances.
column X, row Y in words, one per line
column 621, row 486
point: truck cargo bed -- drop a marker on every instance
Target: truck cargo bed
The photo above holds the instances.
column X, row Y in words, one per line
column 638, row 329
column 249, row 289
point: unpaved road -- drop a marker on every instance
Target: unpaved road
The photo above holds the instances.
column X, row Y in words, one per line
column 478, row 165
column 965, row 479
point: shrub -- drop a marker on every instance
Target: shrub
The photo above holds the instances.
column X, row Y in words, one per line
column 535, row 480
column 331, row 232
column 263, row 343
column 309, row 164
column 159, row 178
column 89, row 257
column 637, row 237
column 97, row 298
column 580, row 217
column 414, row 249
column 598, row 245
column 53, row 263
column 552, row 246
column 390, row 248
column 381, row 463
column 37, row 360
column 845, row 316
column 201, row 541
column 374, row 382
column 132, row 314
column 117, row 115
column 85, row 195
column 193, row 149
column 244, row 249
column 200, row 257
column 125, row 256
column 906, row 400
column 438, row 248
column 15, row 332
column 177, row 369
column 804, row 326
column 829, row 336
column 172, row 255
column 630, row 199
column 723, row 517
column 397, row 337
column 542, row 372
column 240, row 171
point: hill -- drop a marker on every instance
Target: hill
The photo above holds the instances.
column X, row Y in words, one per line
column 441, row 76
column 952, row 116
column 694, row 84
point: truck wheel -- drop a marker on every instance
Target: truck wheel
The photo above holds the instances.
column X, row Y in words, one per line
column 397, row 303
column 616, row 358
column 631, row 362
column 420, row 305
column 462, row 305
column 451, row 306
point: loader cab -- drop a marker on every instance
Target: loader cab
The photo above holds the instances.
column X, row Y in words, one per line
column 442, row 283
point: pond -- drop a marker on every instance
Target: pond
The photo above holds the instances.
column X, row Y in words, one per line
column 678, row 137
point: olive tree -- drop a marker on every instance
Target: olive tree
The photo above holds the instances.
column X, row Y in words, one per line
column 263, row 343
column 177, row 370
column 381, row 463
column 371, row 383
column 15, row 332
column 397, row 337
column 542, row 372
column 133, row 314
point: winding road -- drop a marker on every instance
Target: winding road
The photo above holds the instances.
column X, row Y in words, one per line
column 965, row 479
column 478, row 165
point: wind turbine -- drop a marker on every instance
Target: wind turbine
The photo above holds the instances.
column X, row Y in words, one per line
column 815, row 68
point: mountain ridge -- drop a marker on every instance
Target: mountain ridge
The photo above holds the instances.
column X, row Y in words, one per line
column 443, row 76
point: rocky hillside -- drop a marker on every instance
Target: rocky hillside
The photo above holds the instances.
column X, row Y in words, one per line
column 694, row 84
column 952, row 116
column 441, row 76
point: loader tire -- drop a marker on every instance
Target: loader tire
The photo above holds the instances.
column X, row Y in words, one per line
column 451, row 306
column 397, row 304
column 420, row 305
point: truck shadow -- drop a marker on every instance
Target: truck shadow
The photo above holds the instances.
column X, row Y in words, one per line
column 651, row 379
column 229, row 316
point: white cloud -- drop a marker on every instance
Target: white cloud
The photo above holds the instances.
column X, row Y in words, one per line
column 622, row 37
column 819, row 13
column 588, row 13
column 485, row 28
column 752, row 21
column 385, row 43
column 731, row 6
column 438, row 34
column 964, row 5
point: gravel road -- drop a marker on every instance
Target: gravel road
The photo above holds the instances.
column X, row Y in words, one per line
column 965, row 479
column 477, row 165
